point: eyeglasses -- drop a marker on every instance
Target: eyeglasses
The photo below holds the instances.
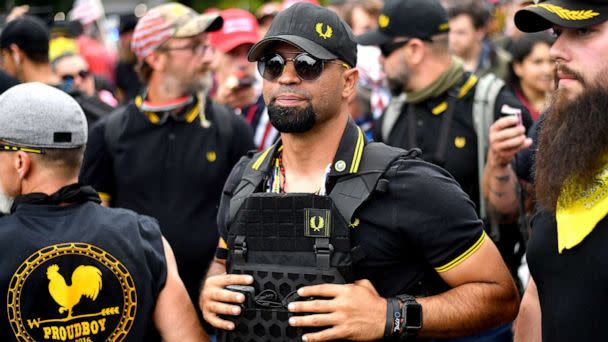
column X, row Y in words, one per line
column 196, row 48
column 308, row 68
column 13, row 148
column 82, row 74
column 388, row 48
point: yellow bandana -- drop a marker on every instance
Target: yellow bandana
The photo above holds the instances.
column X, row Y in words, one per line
column 578, row 219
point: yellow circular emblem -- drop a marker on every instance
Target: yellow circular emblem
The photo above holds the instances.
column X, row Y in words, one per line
column 460, row 142
column 384, row 20
column 87, row 309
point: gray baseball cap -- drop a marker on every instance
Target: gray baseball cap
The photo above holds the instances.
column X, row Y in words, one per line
column 38, row 115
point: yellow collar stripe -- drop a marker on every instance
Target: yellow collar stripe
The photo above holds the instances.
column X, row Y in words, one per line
column 577, row 220
column 464, row 256
column 260, row 160
column 466, row 87
column 354, row 166
column 440, row 108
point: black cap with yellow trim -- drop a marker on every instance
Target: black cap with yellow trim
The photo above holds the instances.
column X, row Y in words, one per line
column 407, row 18
column 566, row 13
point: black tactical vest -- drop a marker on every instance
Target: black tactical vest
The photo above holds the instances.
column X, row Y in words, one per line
column 286, row 241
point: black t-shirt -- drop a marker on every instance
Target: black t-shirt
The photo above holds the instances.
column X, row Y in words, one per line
column 79, row 271
column 424, row 224
column 173, row 172
column 461, row 151
column 572, row 286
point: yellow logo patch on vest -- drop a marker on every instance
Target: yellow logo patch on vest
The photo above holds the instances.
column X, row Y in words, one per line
column 567, row 14
column 383, row 20
column 460, row 142
column 324, row 34
column 211, row 156
column 99, row 304
column 355, row 223
column 317, row 222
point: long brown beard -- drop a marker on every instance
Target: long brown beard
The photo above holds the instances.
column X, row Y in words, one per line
column 573, row 140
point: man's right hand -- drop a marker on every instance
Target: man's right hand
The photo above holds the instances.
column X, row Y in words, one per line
column 215, row 300
column 507, row 138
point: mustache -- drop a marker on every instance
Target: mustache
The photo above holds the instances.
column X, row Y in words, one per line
column 562, row 69
column 288, row 89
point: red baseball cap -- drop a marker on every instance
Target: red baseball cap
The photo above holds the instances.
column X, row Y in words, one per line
column 240, row 27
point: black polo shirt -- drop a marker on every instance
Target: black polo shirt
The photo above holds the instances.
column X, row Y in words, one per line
column 461, row 152
column 572, row 286
column 423, row 225
column 173, row 172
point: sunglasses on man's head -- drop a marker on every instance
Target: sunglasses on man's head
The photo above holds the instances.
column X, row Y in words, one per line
column 82, row 74
column 308, row 68
column 13, row 148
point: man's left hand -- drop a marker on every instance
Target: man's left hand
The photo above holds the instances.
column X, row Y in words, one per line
column 353, row 311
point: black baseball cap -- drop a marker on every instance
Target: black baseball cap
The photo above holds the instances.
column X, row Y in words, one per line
column 313, row 29
column 29, row 33
column 407, row 18
column 565, row 13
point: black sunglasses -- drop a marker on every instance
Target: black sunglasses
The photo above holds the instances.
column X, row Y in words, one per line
column 82, row 74
column 13, row 148
column 390, row 47
column 308, row 68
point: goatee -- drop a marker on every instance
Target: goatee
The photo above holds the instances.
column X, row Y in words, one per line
column 573, row 142
column 291, row 119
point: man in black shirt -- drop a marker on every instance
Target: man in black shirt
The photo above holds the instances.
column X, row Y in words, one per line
column 566, row 297
column 70, row 268
column 168, row 152
column 437, row 109
column 418, row 233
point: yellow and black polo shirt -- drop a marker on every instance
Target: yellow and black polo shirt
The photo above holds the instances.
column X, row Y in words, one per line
column 424, row 224
column 461, row 152
column 172, row 170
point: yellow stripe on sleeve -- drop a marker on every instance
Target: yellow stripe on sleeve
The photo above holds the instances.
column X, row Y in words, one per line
column 462, row 257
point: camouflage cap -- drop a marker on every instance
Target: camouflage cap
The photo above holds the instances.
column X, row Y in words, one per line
column 171, row 20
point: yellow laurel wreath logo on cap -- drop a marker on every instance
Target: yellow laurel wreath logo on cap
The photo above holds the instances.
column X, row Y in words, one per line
column 328, row 31
column 567, row 14
column 383, row 20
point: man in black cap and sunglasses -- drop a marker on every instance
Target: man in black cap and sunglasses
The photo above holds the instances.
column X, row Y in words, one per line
column 325, row 236
column 566, row 297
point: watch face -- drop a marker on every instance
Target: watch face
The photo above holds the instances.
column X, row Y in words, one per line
column 413, row 315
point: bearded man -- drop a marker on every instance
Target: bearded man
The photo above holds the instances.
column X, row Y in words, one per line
column 168, row 153
column 567, row 250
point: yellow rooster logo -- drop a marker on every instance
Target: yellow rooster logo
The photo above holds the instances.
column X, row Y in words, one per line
column 86, row 281
column 328, row 31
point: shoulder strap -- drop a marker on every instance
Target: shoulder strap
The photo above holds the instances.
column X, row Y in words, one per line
column 351, row 191
column 486, row 93
column 391, row 114
column 113, row 128
column 250, row 180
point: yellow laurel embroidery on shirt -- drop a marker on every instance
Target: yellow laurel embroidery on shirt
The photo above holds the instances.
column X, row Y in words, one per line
column 567, row 14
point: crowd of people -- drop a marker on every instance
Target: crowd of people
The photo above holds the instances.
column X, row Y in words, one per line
column 353, row 170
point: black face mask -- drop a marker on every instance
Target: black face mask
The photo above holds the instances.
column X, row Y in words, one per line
column 70, row 194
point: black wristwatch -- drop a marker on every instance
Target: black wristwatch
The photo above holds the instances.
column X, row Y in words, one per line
column 411, row 311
